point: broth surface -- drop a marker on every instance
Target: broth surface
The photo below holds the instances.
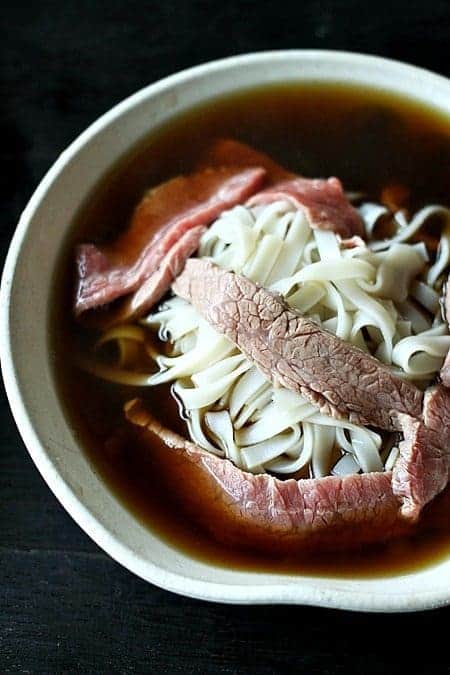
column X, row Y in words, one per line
column 369, row 140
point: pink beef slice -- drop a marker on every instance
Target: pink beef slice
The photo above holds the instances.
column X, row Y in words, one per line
column 227, row 151
column 293, row 351
column 164, row 215
column 157, row 284
column 263, row 512
column 323, row 201
column 422, row 470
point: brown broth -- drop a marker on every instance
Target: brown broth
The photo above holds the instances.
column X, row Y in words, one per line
column 369, row 139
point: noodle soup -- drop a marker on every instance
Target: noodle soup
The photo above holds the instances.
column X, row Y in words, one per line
column 390, row 154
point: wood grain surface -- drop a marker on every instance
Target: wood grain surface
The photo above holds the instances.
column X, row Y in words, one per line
column 65, row 607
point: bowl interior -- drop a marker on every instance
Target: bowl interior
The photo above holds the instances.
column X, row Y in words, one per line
column 27, row 280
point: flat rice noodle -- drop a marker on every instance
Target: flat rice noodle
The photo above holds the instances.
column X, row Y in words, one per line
column 164, row 215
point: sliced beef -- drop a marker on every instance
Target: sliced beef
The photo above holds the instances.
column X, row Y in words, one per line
column 260, row 511
column 228, row 152
column 323, row 201
column 291, row 350
column 422, row 470
column 162, row 217
column 159, row 282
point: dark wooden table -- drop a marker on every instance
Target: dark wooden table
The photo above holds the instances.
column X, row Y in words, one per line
column 64, row 605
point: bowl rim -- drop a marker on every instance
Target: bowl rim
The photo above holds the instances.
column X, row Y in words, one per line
column 176, row 582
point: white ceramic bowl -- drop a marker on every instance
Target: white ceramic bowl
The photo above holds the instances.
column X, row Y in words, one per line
column 25, row 346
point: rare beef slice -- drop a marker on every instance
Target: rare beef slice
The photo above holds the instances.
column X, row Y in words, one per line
column 292, row 350
column 265, row 513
